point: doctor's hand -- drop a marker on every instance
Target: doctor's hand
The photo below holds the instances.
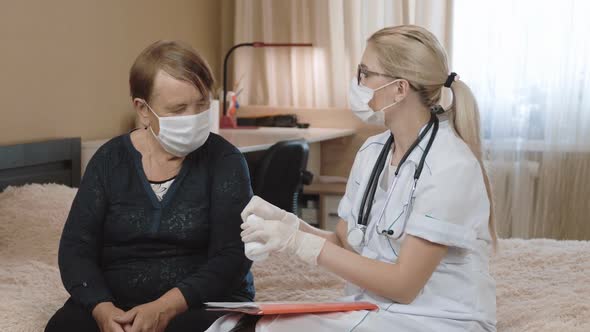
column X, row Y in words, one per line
column 277, row 236
column 262, row 209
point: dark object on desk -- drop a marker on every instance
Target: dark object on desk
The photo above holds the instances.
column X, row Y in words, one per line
column 54, row 161
column 285, row 120
column 281, row 174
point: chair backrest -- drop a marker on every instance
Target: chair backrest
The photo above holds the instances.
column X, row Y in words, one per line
column 280, row 172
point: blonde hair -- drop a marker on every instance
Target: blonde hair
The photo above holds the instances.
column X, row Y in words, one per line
column 414, row 54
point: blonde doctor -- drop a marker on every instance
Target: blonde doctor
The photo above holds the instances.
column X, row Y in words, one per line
column 416, row 228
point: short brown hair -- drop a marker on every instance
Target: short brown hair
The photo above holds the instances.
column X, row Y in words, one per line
column 177, row 59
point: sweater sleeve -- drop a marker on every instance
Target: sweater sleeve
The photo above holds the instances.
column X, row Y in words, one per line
column 81, row 240
column 227, row 264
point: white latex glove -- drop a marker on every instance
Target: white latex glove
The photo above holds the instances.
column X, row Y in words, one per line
column 283, row 235
column 250, row 247
column 262, row 209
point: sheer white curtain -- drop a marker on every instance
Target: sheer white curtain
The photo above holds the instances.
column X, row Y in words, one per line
column 528, row 63
column 319, row 76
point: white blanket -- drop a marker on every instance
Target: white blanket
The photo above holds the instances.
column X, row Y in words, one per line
column 542, row 285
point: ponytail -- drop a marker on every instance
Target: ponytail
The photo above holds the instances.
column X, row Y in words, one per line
column 464, row 115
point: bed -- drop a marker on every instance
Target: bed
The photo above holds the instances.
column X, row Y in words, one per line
column 542, row 285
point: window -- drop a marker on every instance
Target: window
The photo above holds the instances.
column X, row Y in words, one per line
column 527, row 62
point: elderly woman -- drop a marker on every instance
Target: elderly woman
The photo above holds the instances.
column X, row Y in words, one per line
column 154, row 230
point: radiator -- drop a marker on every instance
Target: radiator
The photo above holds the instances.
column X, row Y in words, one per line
column 514, row 187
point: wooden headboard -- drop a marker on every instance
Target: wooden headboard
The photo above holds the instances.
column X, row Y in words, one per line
column 54, row 161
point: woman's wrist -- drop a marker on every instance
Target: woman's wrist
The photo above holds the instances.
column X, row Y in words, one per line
column 100, row 308
column 172, row 303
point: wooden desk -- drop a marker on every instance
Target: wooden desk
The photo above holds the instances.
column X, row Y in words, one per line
column 262, row 138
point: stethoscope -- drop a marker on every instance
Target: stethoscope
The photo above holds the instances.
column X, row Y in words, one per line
column 356, row 235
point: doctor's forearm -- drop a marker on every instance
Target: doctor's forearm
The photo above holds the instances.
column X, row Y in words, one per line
column 400, row 282
column 378, row 277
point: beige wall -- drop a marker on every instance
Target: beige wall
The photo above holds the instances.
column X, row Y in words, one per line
column 64, row 63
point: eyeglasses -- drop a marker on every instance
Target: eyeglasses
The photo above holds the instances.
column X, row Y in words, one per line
column 363, row 72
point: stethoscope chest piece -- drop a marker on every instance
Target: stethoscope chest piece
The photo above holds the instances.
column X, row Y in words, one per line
column 356, row 236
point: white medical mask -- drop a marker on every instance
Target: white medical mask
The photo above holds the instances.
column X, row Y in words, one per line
column 182, row 134
column 359, row 97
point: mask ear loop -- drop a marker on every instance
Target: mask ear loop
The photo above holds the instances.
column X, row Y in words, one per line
column 386, row 85
column 143, row 124
column 383, row 86
column 153, row 112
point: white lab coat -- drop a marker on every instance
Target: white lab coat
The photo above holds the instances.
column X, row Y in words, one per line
column 451, row 207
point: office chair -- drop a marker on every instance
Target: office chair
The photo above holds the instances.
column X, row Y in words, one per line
column 281, row 173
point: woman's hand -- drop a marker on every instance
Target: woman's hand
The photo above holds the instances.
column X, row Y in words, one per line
column 263, row 209
column 154, row 316
column 104, row 314
column 149, row 317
